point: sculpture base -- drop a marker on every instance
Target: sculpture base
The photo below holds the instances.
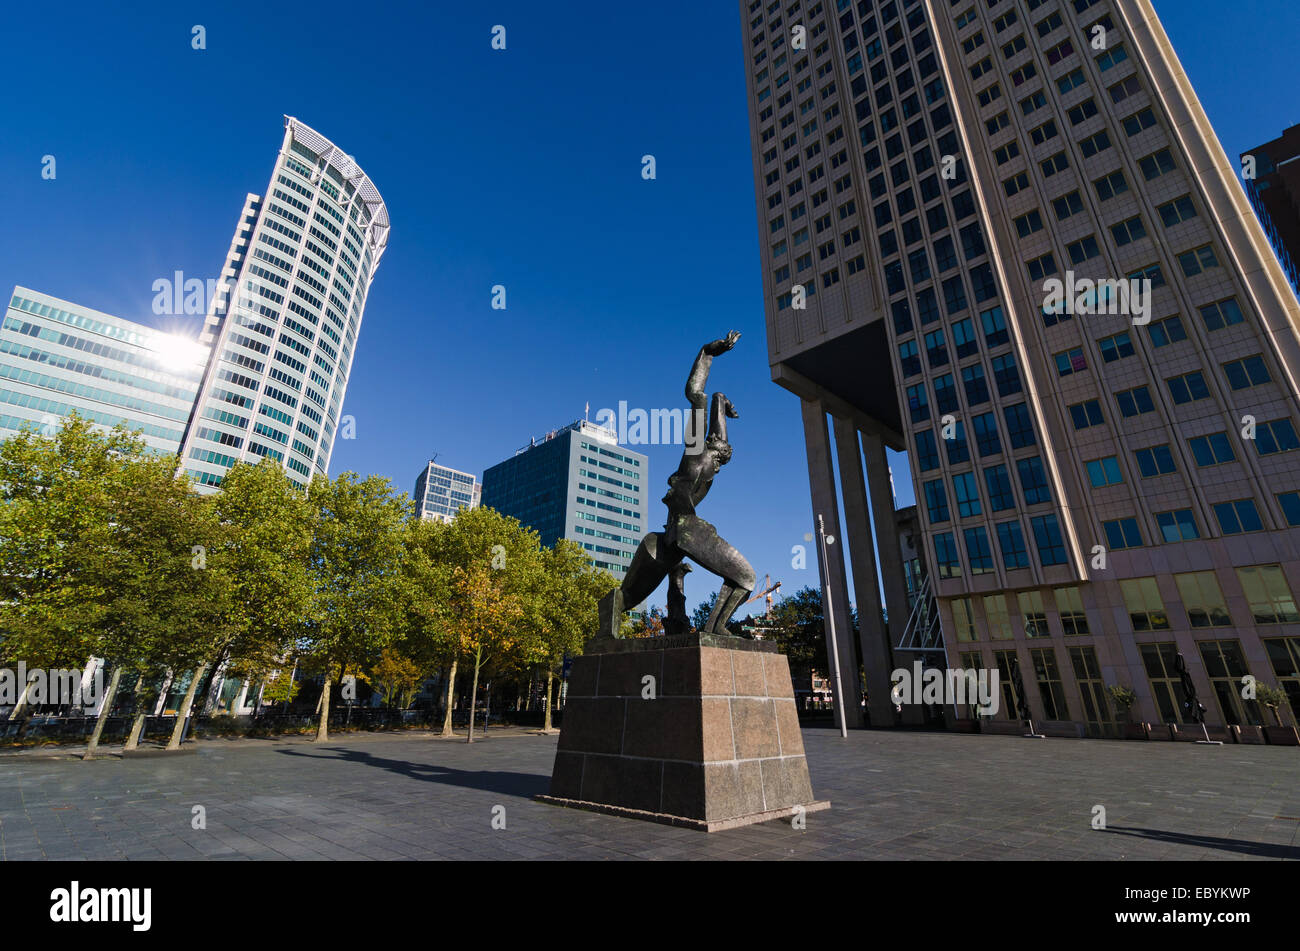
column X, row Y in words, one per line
column 692, row 730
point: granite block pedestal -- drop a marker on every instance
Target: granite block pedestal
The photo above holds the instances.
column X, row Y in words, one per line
column 693, row 730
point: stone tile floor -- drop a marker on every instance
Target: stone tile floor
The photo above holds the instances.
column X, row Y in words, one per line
column 894, row 795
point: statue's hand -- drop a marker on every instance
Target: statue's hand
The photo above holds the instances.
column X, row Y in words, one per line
column 722, row 346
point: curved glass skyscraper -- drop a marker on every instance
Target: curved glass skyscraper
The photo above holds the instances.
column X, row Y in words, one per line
column 283, row 324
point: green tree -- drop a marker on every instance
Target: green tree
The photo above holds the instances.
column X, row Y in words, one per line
column 263, row 554
column 55, row 502
column 561, row 611
column 358, row 545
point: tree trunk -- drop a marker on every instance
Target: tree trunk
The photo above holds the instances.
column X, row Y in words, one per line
column 323, row 728
column 473, row 693
column 187, row 704
column 546, row 719
column 451, row 686
column 19, row 708
column 133, row 739
column 103, row 715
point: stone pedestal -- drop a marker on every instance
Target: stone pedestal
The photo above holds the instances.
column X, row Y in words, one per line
column 693, row 730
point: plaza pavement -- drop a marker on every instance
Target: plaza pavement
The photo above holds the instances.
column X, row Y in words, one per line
column 894, row 795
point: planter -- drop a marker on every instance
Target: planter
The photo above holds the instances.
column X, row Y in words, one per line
column 1282, row 735
column 1136, row 731
column 1252, row 735
column 964, row 725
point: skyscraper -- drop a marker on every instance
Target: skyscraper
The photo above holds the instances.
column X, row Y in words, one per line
column 1104, row 479
column 57, row 357
column 1274, row 191
column 283, row 325
column 441, row 492
column 576, row 483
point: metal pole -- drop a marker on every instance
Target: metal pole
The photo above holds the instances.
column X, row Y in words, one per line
column 840, row 702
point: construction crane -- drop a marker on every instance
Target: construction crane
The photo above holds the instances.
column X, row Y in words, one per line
column 768, row 589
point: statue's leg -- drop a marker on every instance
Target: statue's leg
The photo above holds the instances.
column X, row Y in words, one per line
column 701, row 542
column 653, row 560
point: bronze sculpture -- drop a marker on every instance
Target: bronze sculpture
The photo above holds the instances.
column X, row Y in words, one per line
column 685, row 534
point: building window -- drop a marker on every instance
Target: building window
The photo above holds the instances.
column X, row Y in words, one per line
column 945, row 556
column 1020, row 430
column 1048, row 538
column 1033, row 613
column 1221, row 314
column 998, row 482
column 997, row 617
column 1050, row 687
column 1211, row 450
column 964, row 618
column 1167, row 331
column 1195, row 261
column 1227, row 668
column 936, row 501
column 1187, row 388
column 1290, row 503
column 1238, row 518
column 1160, row 661
column 1033, row 480
column 927, row 451
column 1275, row 436
column 978, row 552
column 1122, row 533
column 1134, row 402
column 1070, row 361
column 1146, row 610
column 1154, row 461
column 1115, row 347
column 1069, row 602
column 977, row 390
column 1177, row 526
column 1011, row 541
column 1104, row 472
column 995, row 327
column 1268, row 594
column 1086, row 414
column 1246, row 372
column 1203, row 599
column 1006, row 376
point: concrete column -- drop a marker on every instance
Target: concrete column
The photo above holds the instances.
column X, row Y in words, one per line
column 872, row 639
column 821, row 483
column 891, row 553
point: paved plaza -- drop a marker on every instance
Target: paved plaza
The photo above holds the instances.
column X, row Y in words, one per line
column 894, row 795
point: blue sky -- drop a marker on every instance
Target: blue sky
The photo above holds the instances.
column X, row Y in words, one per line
column 518, row 167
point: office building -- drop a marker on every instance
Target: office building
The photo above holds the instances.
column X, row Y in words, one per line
column 57, row 357
column 1104, row 484
column 283, row 324
column 441, row 492
column 1274, row 191
column 576, row 483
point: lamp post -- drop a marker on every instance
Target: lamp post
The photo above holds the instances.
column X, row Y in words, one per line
column 841, row 704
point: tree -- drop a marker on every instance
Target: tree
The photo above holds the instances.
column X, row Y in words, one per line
column 56, row 496
column 264, row 556
column 163, row 601
column 561, row 613
column 649, row 624
column 452, row 578
column 800, row 629
column 1273, row 698
column 396, row 676
column 358, row 544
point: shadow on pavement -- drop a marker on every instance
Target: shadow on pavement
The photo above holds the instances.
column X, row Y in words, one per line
column 1263, row 849
column 525, row 785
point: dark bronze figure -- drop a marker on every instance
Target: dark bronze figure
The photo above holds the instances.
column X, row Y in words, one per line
column 685, row 534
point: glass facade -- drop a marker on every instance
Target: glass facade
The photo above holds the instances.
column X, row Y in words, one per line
column 284, row 324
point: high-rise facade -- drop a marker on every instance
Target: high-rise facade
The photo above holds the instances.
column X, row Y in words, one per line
column 577, row 483
column 57, row 357
column 283, row 324
column 1274, row 191
column 1102, row 485
column 441, row 492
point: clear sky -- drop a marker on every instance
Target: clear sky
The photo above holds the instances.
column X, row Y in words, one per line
column 519, row 167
